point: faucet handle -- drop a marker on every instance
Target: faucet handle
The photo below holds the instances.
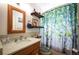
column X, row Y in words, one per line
column 16, row 39
column 25, row 37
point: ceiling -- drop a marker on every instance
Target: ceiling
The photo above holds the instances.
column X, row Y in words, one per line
column 42, row 7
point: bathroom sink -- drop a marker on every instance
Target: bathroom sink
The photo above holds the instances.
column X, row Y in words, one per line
column 12, row 47
column 22, row 40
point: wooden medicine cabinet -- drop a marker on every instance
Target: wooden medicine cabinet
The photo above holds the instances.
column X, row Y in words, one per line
column 16, row 20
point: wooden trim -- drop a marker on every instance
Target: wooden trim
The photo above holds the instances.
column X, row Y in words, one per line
column 9, row 23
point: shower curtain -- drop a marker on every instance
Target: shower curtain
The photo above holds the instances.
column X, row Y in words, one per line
column 59, row 30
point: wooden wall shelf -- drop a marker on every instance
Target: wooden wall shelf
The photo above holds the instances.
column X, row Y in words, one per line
column 37, row 27
column 30, row 26
column 34, row 24
column 37, row 14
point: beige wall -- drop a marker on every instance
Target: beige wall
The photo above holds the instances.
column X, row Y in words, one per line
column 3, row 18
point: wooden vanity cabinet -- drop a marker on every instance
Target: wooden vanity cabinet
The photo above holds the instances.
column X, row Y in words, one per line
column 30, row 50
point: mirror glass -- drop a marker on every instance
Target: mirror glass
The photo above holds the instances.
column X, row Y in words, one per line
column 17, row 21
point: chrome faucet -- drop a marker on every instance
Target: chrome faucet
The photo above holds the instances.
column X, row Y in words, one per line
column 21, row 37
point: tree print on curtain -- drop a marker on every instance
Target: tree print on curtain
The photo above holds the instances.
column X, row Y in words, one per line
column 59, row 27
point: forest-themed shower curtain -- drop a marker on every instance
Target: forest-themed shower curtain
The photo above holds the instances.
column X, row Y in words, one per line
column 59, row 27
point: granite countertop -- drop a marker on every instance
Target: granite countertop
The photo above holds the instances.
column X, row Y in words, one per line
column 13, row 47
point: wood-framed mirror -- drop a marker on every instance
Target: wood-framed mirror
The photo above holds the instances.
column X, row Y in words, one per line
column 16, row 20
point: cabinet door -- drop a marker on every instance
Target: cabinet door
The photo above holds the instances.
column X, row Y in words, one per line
column 36, row 45
column 30, row 50
column 36, row 48
column 35, row 52
column 25, row 51
column 16, row 20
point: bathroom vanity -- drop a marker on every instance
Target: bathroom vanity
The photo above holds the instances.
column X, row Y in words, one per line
column 13, row 26
column 30, row 50
column 29, row 46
